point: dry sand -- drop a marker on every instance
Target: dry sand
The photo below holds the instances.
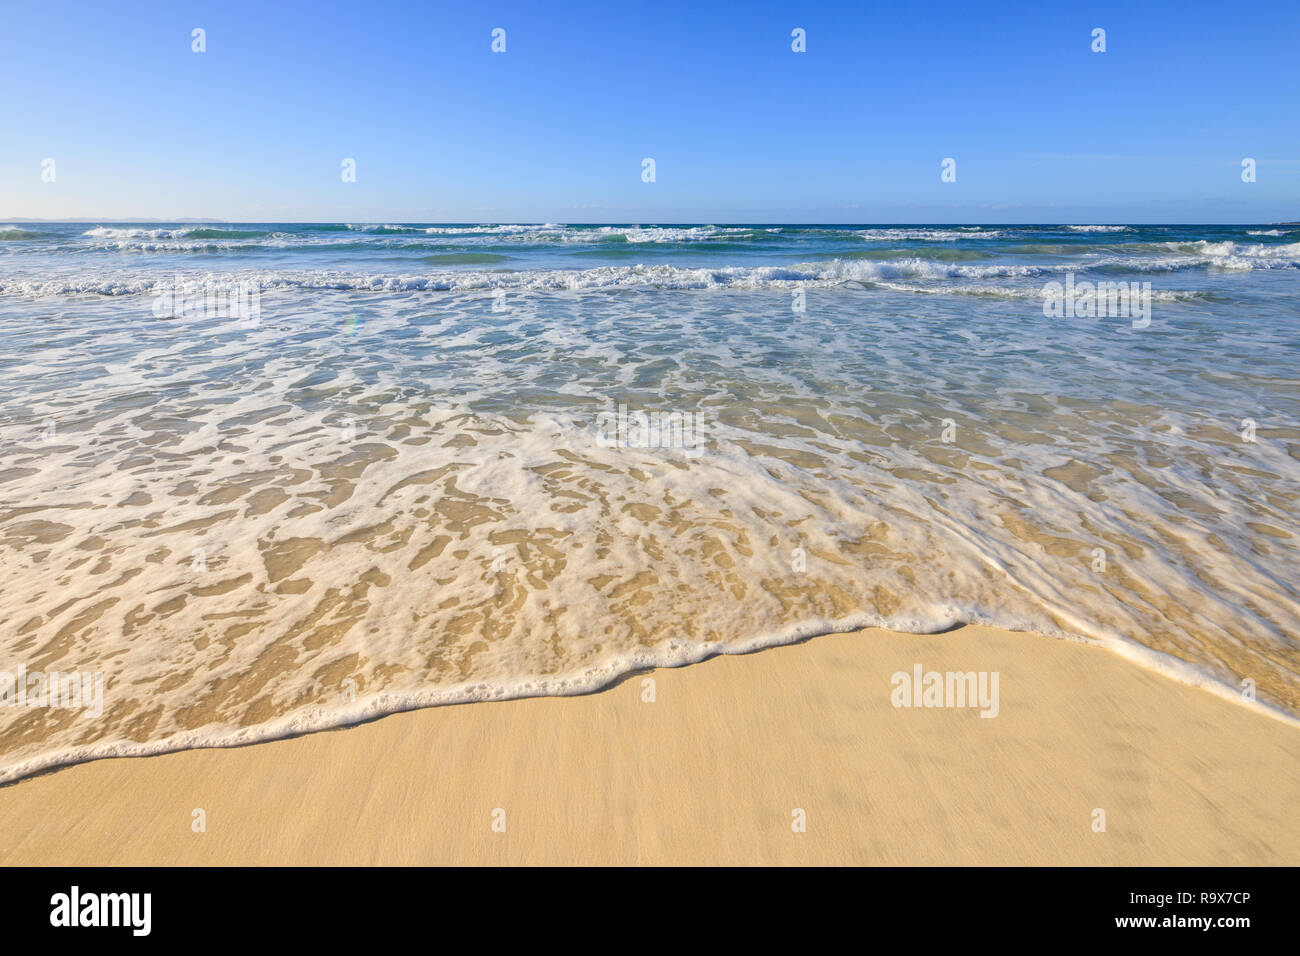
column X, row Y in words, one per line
column 713, row 770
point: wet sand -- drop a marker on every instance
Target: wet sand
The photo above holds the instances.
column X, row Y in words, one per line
column 716, row 769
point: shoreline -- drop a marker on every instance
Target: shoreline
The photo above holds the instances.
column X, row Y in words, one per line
column 714, row 769
column 597, row 681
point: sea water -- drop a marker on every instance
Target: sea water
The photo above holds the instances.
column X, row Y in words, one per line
column 266, row 478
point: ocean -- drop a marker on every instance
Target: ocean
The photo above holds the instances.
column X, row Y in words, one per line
column 259, row 479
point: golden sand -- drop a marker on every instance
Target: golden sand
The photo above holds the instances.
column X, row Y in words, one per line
column 715, row 769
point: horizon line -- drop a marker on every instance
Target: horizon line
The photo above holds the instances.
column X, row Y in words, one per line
column 630, row 222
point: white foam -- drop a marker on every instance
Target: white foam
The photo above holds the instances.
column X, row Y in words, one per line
column 927, row 235
column 201, row 415
column 593, row 679
column 109, row 232
column 829, row 273
column 1236, row 255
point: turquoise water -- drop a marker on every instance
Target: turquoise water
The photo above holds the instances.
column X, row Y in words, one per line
column 402, row 471
column 992, row 260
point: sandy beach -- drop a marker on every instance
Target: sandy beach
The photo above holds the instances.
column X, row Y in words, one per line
column 715, row 769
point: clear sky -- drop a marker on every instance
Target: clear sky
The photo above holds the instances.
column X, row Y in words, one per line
column 741, row 128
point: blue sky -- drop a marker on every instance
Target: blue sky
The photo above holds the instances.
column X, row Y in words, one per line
column 741, row 128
